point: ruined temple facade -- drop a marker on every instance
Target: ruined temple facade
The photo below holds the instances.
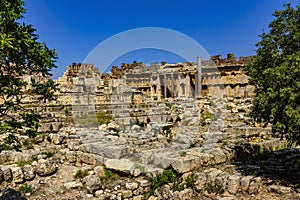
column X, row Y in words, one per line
column 219, row 76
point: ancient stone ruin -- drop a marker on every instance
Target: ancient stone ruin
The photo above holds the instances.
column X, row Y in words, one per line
column 164, row 131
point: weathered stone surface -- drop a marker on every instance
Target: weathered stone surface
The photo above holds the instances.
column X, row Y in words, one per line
column 137, row 172
column 185, row 194
column 92, row 183
column 90, row 159
column 219, row 156
column 29, row 172
column 222, row 179
column 162, row 159
column 7, row 174
column 73, row 185
column 127, row 193
column 279, row 189
column 245, row 181
column 140, row 197
column 3, row 157
column 99, row 171
column 19, row 156
column 152, row 198
column 46, row 167
column 233, row 184
column 58, row 138
column 131, row 186
column 201, row 181
column 135, row 128
column 138, row 191
column 115, row 152
column 254, row 186
column 185, row 164
column 73, row 144
column 212, row 174
column 71, row 156
column 99, row 193
column 18, row 176
column 1, row 176
column 122, row 165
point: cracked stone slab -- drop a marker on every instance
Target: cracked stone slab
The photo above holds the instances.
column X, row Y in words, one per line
column 121, row 165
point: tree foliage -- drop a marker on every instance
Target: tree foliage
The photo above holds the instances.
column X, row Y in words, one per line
column 25, row 66
column 276, row 74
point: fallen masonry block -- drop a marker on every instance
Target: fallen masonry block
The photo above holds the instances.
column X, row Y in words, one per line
column 121, row 165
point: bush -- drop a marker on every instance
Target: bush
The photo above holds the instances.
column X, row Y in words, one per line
column 81, row 174
column 49, row 154
column 103, row 118
column 26, row 188
column 214, row 188
column 108, row 178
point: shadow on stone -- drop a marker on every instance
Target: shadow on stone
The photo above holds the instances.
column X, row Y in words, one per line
column 11, row 194
column 278, row 166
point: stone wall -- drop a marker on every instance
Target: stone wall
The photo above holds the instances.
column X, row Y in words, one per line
column 131, row 93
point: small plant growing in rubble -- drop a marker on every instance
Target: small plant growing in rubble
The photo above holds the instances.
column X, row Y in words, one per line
column 26, row 189
column 214, row 188
column 81, row 174
column 103, row 118
column 108, row 178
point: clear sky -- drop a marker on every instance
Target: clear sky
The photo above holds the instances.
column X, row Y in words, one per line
column 74, row 27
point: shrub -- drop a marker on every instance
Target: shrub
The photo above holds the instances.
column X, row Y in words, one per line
column 109, row 177
column 49, row 154
column 26, row 188
column 214, row 188
column 103, row 118
column 81, row 174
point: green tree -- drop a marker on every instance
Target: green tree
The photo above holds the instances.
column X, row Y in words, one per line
column 276, row 74
column 25, row 66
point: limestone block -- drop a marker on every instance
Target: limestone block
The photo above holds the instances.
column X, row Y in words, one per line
column 185, row 164
column 3, row 157
column 254, row 185
column 46, row 167
column 127, row 193
column 99, row 171
column 131, row 186
column 212, row 174
column 92, row 183
column 279, row 189
column 140, row 197
column 222, row 179
column 73, row 185
column 17, row 174
column 245, row 181
column 219, row 156
column 71, row 156
column 29, row 172
column 201, row 181
column 7, row 173
column 1, row 176
column 73, row 144
column 122, row 165
column 115, row 152
column 233, row 184
column 90, row 159
column 57, row 139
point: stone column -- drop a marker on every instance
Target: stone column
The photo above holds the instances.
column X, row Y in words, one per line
column 151, row 88
column 179, row 86
column 188, row 86
column 158, row 89
column 172, row 82
column 165, row 86
column 199, row 77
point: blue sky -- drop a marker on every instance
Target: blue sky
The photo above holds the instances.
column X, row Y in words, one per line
column 74, row 27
